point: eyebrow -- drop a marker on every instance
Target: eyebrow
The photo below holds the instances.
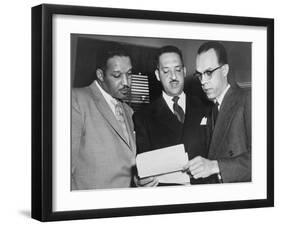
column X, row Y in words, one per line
column 118, row 71
column 208, row 69
column 179, row 65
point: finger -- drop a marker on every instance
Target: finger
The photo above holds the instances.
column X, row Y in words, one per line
column 189, row 173
column 188, row 165
column 145, row 181
column 195, row 166
column 195, row 161
column 153, row 183
column 185, row 167
column 136, row 180
column 198, row 170
column 200, row 175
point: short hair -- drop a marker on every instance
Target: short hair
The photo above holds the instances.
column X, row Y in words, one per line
column 219, row 50
column 109, row 50
column 167, row 49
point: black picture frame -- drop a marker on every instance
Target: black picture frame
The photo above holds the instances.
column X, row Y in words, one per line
column 42, row 108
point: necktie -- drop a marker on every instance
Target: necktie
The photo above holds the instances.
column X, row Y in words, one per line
column 178, row 110
column 120, row 118
column 215, row 112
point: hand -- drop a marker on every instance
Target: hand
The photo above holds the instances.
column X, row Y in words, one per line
column 200, row 167
column 146, row 182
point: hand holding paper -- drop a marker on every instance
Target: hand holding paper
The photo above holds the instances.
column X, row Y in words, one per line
column 165, row 163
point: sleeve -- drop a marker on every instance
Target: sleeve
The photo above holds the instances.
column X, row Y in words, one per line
column 142, row 135
column 238, row 168
column 77, row 128
column 248, row 120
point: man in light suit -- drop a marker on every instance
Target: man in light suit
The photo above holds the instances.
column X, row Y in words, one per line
column 168, row 121
column 230, row 147
column 103, row 145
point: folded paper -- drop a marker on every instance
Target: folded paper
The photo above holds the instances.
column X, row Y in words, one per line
column 162, row 161
column 178, row 177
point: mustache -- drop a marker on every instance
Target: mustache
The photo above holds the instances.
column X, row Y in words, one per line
column 174, row 80
column 125, row 88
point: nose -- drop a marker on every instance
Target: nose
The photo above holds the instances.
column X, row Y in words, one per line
column 173, row 74
column 125, row 80
column 203, row 80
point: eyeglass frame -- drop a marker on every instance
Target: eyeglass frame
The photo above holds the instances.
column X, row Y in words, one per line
column 209, row 73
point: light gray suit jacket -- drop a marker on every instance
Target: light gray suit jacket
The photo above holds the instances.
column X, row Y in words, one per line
column 231, row 139
column 101, row 156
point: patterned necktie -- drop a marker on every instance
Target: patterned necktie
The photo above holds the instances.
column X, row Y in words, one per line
column 178, row 110
column 120, row 118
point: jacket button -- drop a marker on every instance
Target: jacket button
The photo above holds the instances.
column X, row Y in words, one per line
column 231, row 153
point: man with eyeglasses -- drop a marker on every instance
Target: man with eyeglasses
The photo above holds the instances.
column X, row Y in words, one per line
column 229, row 154
column 175, row 117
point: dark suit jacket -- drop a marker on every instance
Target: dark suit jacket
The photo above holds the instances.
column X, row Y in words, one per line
column 157, row 127
column 101, row 157
column 231, row 139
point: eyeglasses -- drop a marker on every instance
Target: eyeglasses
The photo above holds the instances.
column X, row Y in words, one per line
column 208, row 73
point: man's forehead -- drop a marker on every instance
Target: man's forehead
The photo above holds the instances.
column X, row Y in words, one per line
column 116, row 61
column 166, row 58
column 207, row 58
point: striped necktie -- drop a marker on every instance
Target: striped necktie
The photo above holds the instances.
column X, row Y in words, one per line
column 177, row 109
column 120, row 118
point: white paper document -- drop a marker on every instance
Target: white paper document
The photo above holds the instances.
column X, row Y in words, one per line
column 165, row 163
column 174, row 178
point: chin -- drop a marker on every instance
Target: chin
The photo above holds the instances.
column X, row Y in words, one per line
column 176, row 92
column 210, row 97
column 122, row 96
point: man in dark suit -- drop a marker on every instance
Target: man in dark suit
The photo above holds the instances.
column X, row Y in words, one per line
column 175, row 117
column 103, row 144
column 230, row 146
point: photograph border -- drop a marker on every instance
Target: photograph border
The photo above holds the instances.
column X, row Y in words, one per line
column 42, row 111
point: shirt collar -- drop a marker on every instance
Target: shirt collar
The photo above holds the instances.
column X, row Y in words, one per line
column 108, row 98
column 170, row 103
column 219, row 99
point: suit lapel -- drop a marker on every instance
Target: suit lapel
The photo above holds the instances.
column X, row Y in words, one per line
column 193, row 115
column 106, row 112
column 130, row 127
column 227, row 110
column 166, row 116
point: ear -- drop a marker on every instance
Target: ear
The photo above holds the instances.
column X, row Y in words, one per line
column 225, row 70
column 157, row 74
column 100, row 75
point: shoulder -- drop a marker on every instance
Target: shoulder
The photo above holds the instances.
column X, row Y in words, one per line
column 88, row 93
column 80, row 92
column 242, row 94
column 82, row 97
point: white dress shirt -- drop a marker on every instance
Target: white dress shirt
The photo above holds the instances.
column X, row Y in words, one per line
column 219, row 99
column 170, row 102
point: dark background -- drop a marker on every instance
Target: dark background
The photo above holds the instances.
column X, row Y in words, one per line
column 143, row 49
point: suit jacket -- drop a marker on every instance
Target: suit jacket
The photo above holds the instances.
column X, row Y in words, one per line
column 101, row 156
column 157, row 127
column 231, row 139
